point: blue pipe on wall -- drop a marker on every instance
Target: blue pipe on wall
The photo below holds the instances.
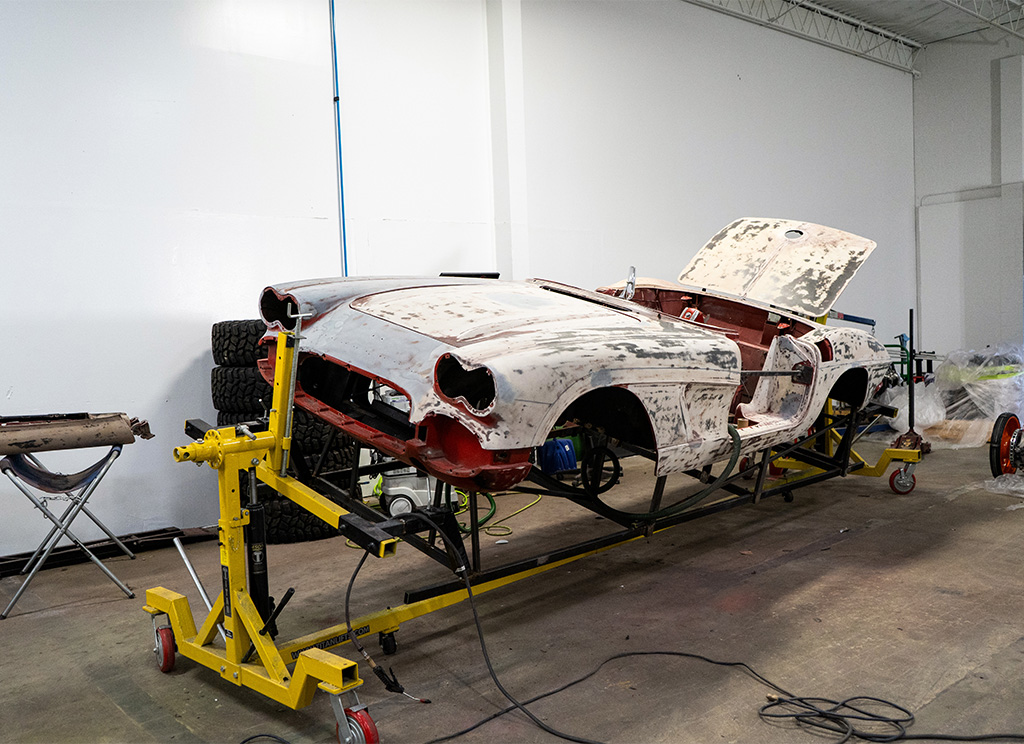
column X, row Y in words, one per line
column 337, row 142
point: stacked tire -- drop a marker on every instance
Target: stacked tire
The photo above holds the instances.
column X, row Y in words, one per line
column 240, row 394
column 236, row 384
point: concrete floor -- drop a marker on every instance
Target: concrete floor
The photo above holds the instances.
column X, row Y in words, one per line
column 849, row 590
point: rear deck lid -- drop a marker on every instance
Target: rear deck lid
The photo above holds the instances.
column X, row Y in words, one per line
column 790, row 265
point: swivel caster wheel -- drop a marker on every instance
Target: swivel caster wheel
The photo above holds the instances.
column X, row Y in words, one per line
column 388, row 643
column 165, row 649
column 902, row 482
column 787, row 496
column 361, row 728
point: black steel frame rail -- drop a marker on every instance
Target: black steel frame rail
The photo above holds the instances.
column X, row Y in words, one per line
column 806, row 449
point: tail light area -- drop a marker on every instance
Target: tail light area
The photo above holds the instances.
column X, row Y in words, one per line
column 453, row 452
column 458, row 443
column 458, row 384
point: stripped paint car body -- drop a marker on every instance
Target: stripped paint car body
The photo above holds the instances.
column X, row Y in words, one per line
column 463, row 378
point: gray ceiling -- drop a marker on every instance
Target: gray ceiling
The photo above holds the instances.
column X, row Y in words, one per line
column 927, row 21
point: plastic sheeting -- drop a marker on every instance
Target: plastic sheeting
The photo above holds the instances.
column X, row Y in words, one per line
column 958, row 434
column 1011, row 484
column 928, row 407
column 982, row 384
column 973, row 387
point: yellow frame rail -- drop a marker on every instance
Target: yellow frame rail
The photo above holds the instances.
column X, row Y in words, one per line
column 909, row 458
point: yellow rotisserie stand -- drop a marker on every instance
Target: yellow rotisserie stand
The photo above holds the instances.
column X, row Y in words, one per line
column 249, row 658
column 233, row 614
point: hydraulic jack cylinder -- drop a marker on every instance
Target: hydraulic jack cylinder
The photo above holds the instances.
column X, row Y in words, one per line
column 256, row 553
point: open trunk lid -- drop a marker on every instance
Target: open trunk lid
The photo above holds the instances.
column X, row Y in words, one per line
column 790, row 265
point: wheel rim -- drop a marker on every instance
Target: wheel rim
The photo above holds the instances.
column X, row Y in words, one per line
column 1006, row 438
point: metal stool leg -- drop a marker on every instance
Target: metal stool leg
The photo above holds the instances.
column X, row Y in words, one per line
column 63, row 527
column 46, row 554
column 28, row 564
column 46, row 541
column 111, row 535
column 64, row 520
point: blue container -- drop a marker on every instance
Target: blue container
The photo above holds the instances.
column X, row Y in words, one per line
column 556, row 456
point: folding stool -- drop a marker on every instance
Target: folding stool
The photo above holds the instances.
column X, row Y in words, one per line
column 28, row 474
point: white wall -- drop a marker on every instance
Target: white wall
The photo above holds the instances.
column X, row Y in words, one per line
column 651, row 125
column 956, row 108
column 416, row 136
column 161, row 163
column 967, row 130
column 971, row 291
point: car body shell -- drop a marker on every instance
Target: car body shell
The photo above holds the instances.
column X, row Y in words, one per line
column 464, row 377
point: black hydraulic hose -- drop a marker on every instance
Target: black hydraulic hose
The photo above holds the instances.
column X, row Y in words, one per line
column 463, row 573
column 388, row 678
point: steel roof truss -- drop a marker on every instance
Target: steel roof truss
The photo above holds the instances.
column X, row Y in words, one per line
column 813, row 22
column 1005, row 15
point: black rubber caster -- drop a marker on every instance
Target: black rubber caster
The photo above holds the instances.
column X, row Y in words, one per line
column 388, row 643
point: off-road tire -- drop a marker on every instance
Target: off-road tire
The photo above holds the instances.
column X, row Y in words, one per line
column 239, row 389
column 231, row 418
column 312, row 435
column 240, row 394
column 235, row 343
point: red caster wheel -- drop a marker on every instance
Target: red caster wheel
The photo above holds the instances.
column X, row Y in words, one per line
column 1002, row 448
column 744, row 463
column 165, row 648
column 361, row 728
column 901, row 482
